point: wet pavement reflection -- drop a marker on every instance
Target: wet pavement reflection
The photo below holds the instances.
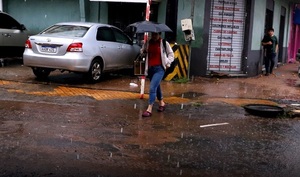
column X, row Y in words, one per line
column 55, row 139
column 61, row 128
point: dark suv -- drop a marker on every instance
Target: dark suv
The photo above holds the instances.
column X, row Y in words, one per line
column 13, row 36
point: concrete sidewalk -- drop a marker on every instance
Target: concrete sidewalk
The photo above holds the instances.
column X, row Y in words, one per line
column 282, row 85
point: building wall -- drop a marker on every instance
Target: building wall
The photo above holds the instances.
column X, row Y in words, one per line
column 255, row 63
column 294, row 31
column 253, row 36
column 199, row 47
column 98, row 12
column 185, row 11
column 254, row 55
column 39, row 14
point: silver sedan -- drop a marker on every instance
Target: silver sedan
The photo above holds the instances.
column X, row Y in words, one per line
column 88, row 48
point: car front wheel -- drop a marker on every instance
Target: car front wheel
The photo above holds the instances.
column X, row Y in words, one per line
column 95, row 71
column 41, row 73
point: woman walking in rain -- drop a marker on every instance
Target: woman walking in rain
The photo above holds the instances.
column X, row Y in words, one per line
column 160, row 56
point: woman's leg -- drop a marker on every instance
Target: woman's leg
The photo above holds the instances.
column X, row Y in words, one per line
column 155, row 75
column 155, row 90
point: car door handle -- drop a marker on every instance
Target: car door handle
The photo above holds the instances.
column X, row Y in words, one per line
column 120, row 47
column 102, row 46
column 6, row 35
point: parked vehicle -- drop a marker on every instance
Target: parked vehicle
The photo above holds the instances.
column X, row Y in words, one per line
column 12, row 36
column 89, row 48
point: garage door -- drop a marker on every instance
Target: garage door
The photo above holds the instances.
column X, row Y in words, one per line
column 226, row 35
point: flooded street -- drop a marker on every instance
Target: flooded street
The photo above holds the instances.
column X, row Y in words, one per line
column 65, row 127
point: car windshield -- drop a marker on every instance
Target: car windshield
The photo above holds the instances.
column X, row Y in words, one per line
column 66, row 30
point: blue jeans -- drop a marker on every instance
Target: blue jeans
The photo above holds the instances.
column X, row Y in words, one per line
column 155, row 74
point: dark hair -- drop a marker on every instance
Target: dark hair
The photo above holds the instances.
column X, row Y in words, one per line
column 271, row 29
column 159, row 33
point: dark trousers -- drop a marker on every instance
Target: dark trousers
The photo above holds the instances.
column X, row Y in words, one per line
column 270, row 62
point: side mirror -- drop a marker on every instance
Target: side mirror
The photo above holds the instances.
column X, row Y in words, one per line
column 130, row 42
column 22, row 27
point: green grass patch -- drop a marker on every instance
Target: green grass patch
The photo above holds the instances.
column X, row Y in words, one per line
column 181, row 80
column 197, row 104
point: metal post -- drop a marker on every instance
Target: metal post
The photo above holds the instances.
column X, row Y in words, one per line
column 190, row 42
column 190, row 53
column 82, row 10
column 143, row 78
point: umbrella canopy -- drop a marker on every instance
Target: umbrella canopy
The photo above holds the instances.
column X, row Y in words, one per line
column 149, row 26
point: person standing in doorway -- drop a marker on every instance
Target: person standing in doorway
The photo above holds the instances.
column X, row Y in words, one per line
column 270, row 44
column 160, row 56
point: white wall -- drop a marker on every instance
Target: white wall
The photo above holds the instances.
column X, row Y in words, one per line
column 258, row 24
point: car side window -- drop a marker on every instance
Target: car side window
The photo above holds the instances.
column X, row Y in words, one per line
column 120, row 36
column 105, row 34
column 8, row 22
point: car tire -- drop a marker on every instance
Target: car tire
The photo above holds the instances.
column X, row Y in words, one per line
column 41, row 73
column 95, row 71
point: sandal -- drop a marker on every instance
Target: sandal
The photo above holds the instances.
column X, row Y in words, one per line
column 161, row 108
column 147, row 114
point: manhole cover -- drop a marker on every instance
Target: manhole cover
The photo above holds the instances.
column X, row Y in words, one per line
column 264, row 110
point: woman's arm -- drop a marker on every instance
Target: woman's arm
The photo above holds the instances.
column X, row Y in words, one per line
column 170, row 54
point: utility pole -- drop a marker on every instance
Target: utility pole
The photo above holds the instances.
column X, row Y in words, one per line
column 190, row 41
column 143, row 78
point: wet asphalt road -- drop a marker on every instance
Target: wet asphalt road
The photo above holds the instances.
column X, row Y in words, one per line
column 66, row 127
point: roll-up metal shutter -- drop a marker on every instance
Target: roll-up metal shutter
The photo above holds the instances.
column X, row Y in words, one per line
column 226, row 35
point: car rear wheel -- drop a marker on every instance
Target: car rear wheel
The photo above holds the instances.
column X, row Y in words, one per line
column 95, row 71
column 41, row 73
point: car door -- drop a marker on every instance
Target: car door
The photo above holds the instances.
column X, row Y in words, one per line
column 13, row 35
column 108, row 48
column 126, row 52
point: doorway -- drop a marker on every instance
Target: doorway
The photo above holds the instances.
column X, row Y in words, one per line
column 171, row 19
column 281, row 36
column 268, row 20
column 122, row 14
column 268, row 23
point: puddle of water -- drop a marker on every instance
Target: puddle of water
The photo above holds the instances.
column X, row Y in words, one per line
column 291, row 82
column 190, row 95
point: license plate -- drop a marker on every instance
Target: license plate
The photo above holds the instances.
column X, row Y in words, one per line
column 48, row 49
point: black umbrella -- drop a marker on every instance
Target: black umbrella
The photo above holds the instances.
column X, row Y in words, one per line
column 149, row 26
